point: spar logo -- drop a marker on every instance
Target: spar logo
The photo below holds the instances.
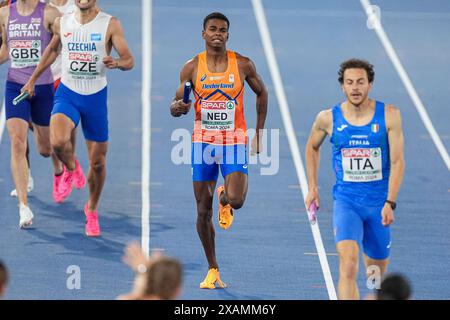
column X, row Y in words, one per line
column 214, row 105
column 376, row 153
column 230, row 105
column 25, row 44
column 356, row 153
column 86, row 57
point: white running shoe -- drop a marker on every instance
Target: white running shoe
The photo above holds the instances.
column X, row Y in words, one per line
column 26, row 216
column 29, row 189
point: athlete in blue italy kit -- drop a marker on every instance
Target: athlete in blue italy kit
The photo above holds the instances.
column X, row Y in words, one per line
column 367, row 141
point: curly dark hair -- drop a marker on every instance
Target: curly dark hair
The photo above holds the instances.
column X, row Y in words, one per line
column 215, row 15
column 356, row 64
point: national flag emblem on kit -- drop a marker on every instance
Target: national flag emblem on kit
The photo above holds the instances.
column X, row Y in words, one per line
column 96, row 36
column 375, row 127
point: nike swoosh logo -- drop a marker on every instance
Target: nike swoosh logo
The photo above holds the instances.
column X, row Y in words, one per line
column 12, row 21
column 389, row 245
column 341, row 128
column 245, row 167
column 67, row 34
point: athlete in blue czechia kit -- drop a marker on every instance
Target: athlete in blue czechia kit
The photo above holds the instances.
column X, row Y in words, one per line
column 367, row 147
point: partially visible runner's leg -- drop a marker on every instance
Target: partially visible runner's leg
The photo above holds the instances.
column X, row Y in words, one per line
column 204, row 191
column 96, row 179
column 233, row 193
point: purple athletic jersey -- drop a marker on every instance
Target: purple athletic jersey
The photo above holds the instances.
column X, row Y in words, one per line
column 27, row 39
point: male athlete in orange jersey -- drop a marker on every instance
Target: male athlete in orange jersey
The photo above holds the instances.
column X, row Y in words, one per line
column 220, row 133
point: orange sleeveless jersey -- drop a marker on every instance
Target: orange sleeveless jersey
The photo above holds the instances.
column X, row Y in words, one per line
column 219, row 104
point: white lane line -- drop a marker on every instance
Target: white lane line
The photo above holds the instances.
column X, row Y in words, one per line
column 146, row 121
column 315, row 254
column 293, row 144
column 376, row 25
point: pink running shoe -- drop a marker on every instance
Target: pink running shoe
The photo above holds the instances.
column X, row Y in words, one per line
column 65, row 185
column 92, row 225
column 56, row 182
column 79, row 181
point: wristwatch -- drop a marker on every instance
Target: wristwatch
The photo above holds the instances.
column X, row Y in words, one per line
column 392, row 203
column 141, row 268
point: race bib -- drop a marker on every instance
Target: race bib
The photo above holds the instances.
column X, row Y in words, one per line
column 218, row 115
column 362, row 164
column 24, row 53
column 83, row 66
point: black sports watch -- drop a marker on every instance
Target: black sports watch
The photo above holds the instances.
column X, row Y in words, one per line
column 392, row 203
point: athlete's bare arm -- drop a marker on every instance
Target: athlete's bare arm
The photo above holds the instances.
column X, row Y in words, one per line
column 4, row 54
column 254, row 80
column 48, row 57
column 396, row 142
column 119, row 43
column 322, row 126
column 50, row 15
column 178, row 107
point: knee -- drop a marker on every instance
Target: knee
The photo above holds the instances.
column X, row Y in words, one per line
column 98, row 165
column 349, row 267
column 204, row 212
column 236, row 202
column 18, row 145
column 45, row 151
column 58, row 144
column 45, row 154
column 376, row 270
column 204, row 217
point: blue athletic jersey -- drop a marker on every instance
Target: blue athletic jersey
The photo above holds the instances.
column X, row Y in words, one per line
column 361, row 158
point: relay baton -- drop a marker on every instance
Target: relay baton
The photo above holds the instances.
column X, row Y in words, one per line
column 187, row 92
column 20, row 98
column 312, row 213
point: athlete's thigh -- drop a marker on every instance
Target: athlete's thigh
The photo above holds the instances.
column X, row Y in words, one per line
column 94, row 117
column 204, row 167
column 61, row 127
column 234, row 168
column 347, row 222
column 19, row 111
column 236, row 184
column 42, row 105
column 377, row 237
